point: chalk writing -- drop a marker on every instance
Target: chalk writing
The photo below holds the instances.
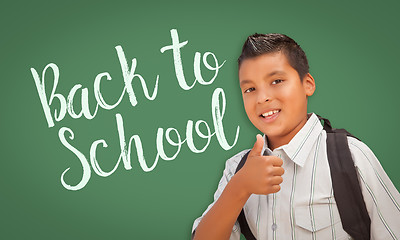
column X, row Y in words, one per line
column 66, row 106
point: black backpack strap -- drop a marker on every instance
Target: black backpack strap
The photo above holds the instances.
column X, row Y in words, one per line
column 346, row 187
column 328, row 128
column 244, row 226
column 242, row 162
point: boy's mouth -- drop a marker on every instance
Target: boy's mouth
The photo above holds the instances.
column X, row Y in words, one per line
column 270, row 115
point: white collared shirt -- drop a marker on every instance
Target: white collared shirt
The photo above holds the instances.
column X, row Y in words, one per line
column 305, row 207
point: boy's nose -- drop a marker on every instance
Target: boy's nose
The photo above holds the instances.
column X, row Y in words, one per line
column 263, row 97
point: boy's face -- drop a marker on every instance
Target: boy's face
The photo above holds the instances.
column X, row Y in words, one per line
column 269, row 83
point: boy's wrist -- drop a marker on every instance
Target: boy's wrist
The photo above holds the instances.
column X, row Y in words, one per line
column 238, row 188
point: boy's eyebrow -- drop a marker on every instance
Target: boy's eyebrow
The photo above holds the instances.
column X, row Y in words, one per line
column 245, row 82
column 274, row 73
column 266, row 76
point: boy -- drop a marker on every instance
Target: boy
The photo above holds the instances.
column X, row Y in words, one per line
column 285, row 186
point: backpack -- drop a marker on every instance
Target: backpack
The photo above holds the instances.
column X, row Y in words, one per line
column 346, row 187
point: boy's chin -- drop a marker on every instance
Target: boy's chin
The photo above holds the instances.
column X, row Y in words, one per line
column 275, row 133
column 271, row 133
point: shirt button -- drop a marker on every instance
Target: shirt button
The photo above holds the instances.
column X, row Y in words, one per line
column 274, row 227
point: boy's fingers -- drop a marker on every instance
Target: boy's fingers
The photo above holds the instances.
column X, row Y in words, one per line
column 276, row 161
column 257, row 148
column 275, row 188
column 276, row 180
column 278, row 171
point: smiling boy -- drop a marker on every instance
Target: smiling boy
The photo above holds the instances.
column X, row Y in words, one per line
column 269, row 83
column 285, row 186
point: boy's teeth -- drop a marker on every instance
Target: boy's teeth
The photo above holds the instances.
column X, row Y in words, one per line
column 269, row 113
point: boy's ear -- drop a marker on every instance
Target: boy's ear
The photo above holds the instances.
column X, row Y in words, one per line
column 309, row 84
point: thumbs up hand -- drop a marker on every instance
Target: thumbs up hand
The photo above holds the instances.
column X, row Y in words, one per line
column 260, row 174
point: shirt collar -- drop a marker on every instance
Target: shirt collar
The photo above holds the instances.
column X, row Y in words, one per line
column 299, row 147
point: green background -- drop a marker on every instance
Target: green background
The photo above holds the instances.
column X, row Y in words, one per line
column 353, row 50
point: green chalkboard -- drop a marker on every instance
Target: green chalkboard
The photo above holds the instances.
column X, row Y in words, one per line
column 137, row 167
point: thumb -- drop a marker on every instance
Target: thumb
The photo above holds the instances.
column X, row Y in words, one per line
column 258, row 145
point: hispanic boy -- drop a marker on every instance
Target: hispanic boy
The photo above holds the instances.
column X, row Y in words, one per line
column 285, row 186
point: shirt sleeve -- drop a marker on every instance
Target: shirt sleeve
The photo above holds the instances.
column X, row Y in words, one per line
column 229, row 171
column 380, row 195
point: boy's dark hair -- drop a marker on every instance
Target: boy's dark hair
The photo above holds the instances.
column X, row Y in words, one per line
column 258, row 44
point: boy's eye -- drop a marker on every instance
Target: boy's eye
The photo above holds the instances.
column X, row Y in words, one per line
column 249, row 90
column 277, row 81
